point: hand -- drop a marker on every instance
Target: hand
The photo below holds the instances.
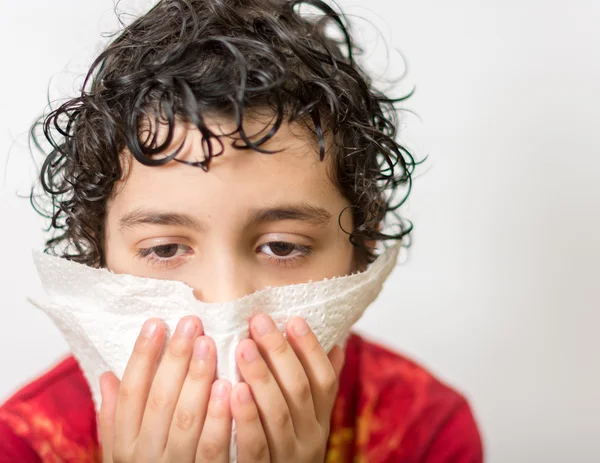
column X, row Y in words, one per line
column 168, row 412
column 282, row 411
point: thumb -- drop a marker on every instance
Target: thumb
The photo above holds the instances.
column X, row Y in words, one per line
column 109, row 388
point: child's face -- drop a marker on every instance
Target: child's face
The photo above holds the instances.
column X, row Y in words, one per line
column 254, row 220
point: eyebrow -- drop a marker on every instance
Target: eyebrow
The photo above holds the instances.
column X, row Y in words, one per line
column 141, row 217
column 304, row 212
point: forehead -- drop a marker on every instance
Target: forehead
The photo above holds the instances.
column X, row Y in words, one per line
column 243, row 177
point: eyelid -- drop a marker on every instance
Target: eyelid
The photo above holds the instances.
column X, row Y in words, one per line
column 146, row 254
column 293, row 238
column 163, row 240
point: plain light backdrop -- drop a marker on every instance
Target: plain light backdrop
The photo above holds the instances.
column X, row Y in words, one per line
column 500, row 294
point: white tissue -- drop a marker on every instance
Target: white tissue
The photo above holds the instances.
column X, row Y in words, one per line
column 100, row 313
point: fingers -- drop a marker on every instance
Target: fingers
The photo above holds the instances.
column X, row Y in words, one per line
column 294, row 385
column 190, row 412
column 252, row 445
column 175, row 410
column 287, row 370
column 322, row 373
column 136, row 383
column 216, row 433
column 109, row 388
column 167, row 385
column 273, row 409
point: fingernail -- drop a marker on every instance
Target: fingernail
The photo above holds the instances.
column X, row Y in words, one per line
column 186, row 328
column 149, row 329
column 244, row 395
column 220, row 390
column 263, row 324
column 250, row 352
column 201, row 348
column 300, row 327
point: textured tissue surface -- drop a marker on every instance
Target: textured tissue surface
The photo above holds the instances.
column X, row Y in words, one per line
column 100, row 313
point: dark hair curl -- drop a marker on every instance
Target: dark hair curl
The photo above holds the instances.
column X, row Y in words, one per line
column 185, row 59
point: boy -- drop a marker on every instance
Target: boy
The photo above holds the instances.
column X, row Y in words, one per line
column 232, row 145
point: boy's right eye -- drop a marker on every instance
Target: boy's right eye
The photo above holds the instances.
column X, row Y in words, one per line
column 165, row 254
column 165, row 251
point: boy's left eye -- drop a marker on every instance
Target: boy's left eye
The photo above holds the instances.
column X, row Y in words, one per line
column 283, row 249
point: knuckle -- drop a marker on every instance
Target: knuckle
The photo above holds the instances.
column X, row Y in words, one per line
column 301, row 389
column 263, row 376
column 126, row 392
column 210, row 450
column 179, row 348
column 216, row 413
column 280, row 346
column 313, row 345
column 158, row 401
column 258, row 450
column 249, row 416
column 184, row 420
column 330, row 385
column 282, row 419
column 200, row 373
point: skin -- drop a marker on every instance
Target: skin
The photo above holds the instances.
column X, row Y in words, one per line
column 254, row 220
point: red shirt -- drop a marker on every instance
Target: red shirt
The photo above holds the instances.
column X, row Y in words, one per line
column 389, row 409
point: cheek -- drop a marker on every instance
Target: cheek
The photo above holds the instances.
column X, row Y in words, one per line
column 336, row 261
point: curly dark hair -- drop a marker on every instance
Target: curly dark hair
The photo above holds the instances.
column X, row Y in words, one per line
column 187, row 59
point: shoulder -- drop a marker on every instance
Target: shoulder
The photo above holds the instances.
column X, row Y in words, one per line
column 14, row 448
column 404, row 407
column 64, row 374
column 52, row 415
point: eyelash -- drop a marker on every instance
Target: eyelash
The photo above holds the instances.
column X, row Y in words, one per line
column 146, row 253
column 289, row 261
